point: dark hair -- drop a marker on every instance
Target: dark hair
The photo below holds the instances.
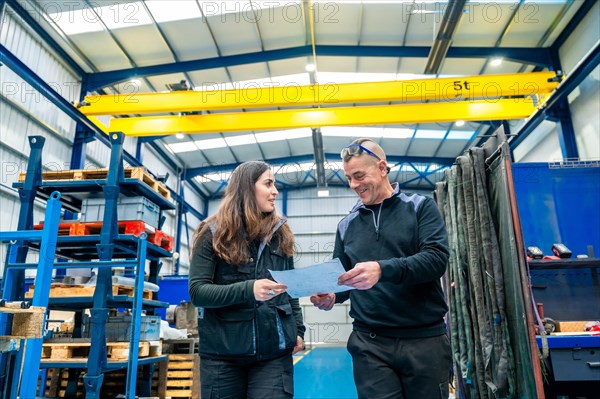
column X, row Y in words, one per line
column 239, row 220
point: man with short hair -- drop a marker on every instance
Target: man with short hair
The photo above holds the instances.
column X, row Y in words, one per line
column 394, row 248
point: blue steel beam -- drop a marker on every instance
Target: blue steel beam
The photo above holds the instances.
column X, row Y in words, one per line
column 562, row 111
column 535, row 56
column 393, row 159
column 9, row 59
column 190, row 173
column 179, row 224
column 566, row 132
column 579, row 73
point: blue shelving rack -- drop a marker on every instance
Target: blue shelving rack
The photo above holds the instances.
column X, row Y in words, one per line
column 46, row 237
column 104, row 251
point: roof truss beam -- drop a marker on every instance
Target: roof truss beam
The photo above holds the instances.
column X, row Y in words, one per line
column 288, row 162
column 534, row 56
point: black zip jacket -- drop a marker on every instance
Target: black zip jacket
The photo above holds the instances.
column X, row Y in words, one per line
column 406, row 235
column 231, row 322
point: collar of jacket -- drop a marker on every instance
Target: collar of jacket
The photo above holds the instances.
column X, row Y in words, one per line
column 360, row 205
column 213, row 228
column 263, row 244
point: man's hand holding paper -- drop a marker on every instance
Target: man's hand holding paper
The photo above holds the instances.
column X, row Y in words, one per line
column 320, row 278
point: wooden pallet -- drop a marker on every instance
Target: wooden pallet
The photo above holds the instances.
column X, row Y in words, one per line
column 58, row 290
column 133, row 227
column 138, row 173
column 113, row 384
column 57, row 380
column 68, row 351
column 179, row 377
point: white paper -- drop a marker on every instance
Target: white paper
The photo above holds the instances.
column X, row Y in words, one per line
column 315, row 279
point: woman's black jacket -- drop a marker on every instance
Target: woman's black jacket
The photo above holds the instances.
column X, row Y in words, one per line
column 232, row 322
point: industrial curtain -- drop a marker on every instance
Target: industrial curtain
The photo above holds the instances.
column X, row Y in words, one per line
column 486, row 283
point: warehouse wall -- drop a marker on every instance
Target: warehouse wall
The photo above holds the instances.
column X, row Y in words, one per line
column 25, row 112
column 190, row 223
column 543, row 144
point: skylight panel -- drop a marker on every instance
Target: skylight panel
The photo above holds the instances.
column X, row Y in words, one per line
column 124, row 15
column 299, row 79
column 88, row 19
column 295, row 168
column 306, row 166
column 430, row 134
column 403, row 167
column 218, row 176
column 210, row 144
column 367, row 131
column 266, row 4
column 334, row 165
column 182, row 147
column 240, row 140
column 211, row 8
column 397, row 133
column 460, row 135
column 348, row 77
column 366, row 2
column 352, row 131
column 414, row 76
column 173, row 10
column 73, row 22
column 283, row 135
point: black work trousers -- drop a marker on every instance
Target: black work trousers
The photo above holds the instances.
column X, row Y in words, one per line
column 398, row 368
column 247, row 378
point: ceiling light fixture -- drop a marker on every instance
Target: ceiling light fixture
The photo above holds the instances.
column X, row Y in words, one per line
column 310, row 67
column 322, row 193
column 496, row 62
column 460, row 123
column 180, row 136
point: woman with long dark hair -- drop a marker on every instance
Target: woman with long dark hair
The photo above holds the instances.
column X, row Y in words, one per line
column 249, row 326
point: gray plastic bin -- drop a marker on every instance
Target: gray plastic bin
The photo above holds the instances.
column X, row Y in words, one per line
column 129, row 208
column 118, row 328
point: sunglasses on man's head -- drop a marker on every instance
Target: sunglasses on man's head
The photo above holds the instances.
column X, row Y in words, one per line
column 357, row 149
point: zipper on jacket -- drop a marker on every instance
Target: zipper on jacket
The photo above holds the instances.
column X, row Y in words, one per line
column 376, row 221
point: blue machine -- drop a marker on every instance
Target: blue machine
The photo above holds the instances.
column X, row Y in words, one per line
column 559, row 204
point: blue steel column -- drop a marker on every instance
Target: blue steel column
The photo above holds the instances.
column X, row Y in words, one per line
column 97, row 356
column 14, row 280
column 134, row 339
column 77, row 162
column 284, row 202
column 566, row 131
column 33, row 351
column 180, row 211
column 140, row 146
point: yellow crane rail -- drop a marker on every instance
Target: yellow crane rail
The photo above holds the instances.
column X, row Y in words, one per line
column 251, row 96
column 316, row 117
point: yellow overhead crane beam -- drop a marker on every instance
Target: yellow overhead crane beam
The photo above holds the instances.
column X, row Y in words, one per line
column 485, row 87
column 316, row 117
